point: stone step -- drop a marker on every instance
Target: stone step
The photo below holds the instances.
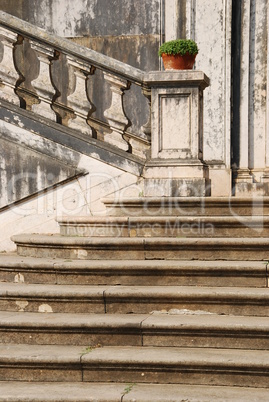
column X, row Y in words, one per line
column 200, row 366
column 136, row 248
column 177, row 328
column 132, row 299
column 187, row 206
column 20, row 391
column 14, row 268
column 166, row 226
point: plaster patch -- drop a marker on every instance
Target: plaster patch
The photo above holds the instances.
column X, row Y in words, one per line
column 45, row 308
column 175, row 311
column 22, row 304
column 18, row 120
column 81, row 254
column 19, row 278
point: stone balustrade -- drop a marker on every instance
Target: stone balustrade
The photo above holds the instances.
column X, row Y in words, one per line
column 53, row 77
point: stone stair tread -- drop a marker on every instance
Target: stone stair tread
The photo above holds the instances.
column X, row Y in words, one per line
column 212, row 293
column 10, row 260
column 163, row 218
column 50, row 291
column 168, row 226
column 58, row 240
column 218, row 206
column 71, row 320
column 175, row 319
column 230, row 359
column 14, row 268
column 141, row 248
column 110, row 392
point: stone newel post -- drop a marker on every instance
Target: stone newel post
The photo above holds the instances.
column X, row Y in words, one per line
column 176, row 167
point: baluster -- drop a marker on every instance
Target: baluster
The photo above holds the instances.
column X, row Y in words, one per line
column 60, row 78
column 42, row 83
column 78, row 100
column 115, row 114
column 27, row 65
column 9, row 75
column 146, row 128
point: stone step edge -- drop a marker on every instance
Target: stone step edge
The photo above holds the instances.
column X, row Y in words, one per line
column 129, row 392
column 106, row 292
column 175, row 320
column 256, row 226
column 12, row 261
column 118, row 356
column 138, row 299
column 14, row 268
column 133, row 220
column 179, row 205
column 74, row 241
column 139, row 248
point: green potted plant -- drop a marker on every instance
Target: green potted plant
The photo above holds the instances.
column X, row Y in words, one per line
column 178, row 54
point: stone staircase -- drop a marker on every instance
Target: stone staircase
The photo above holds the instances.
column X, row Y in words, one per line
column 161, row 300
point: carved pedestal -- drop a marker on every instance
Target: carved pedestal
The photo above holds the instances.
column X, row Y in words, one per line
column 176, row 167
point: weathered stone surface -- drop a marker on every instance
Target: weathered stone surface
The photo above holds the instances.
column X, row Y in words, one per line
column 184, row 206
column 86, row 248
column 51, row 298
column 105, row 392
column 179, row 365
column 18, row 269
column 166, row 226
column 141, row 299
column 174, row 327
column 24, row 171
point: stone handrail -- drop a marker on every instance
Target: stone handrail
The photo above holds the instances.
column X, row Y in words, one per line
column 53, row 77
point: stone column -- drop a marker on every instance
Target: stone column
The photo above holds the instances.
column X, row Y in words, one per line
column 176, row 167
column 244, row 179
column 266, row 171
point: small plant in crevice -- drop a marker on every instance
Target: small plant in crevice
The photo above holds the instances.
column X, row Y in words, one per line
column 128, row 388
column 89, row 349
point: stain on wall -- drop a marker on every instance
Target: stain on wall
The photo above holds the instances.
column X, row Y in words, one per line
column 24, row 172
column 106, row 20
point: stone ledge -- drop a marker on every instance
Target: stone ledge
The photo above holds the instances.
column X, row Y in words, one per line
column 177, row 78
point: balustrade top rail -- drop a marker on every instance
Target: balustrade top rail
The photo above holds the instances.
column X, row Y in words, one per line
column 99, row 60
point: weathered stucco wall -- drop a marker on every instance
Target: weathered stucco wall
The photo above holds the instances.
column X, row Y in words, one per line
column 106, row 20
column 42, row 180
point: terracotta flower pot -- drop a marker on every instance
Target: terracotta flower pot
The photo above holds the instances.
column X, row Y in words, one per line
column 178, row 62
